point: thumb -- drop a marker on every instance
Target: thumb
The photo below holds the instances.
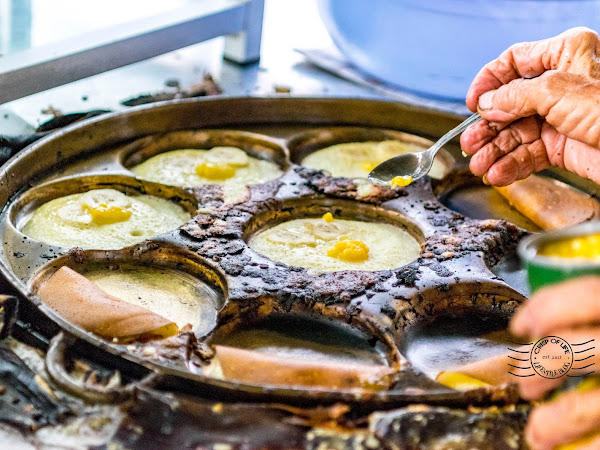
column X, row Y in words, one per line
column 521, row 98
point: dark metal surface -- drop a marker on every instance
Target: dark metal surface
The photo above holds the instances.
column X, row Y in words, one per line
column 25, row 401
column 53, row 153
column 383, row 304
column 55, row 363
column 432, row 428
column 258, row 425
column 9, row 307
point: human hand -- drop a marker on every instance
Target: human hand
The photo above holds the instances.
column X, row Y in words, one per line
column 569, row 310
column 541, row 105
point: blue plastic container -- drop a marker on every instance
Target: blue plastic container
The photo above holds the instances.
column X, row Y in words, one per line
column 436, row 47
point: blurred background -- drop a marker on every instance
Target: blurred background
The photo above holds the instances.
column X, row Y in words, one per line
column 417, row 51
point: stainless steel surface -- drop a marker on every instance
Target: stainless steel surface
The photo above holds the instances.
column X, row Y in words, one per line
column 30, row 71
column 243, row 47
column 331, row 60
column 284, row 28
column 417, row 164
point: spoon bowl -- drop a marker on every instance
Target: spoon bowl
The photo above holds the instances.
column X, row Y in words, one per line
column 414, row 164
column 417, row 164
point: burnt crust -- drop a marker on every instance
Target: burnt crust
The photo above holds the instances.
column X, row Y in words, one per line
column 322, row 183
column 450, row 276
column 422, row 427
column 456, row 252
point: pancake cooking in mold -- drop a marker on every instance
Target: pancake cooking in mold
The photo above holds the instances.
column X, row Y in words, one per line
column 229, row 166
column 357, row 159
column 103, row 219
column 130, row 302
column 328, row 245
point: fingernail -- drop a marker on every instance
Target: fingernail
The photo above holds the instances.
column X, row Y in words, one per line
column 486, row 101
column 485, row 180
column 464, row 154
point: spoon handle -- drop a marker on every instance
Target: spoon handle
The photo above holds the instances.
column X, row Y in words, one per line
column 455, row 132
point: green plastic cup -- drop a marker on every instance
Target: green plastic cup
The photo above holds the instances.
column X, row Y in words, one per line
column 544, row 270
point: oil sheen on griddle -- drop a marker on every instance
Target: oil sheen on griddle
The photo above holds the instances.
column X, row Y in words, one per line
column 450, row 342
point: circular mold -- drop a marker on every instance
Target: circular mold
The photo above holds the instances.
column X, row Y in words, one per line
column 21, row 210
column 486, row 298
column 296, row 341
column 512, row 270
column 306, row 337
column 165, row 279
column 451, row 341
column 466, row 322
column 255, row 145
column 97, row 135
column 340, row 209
column 304, row 144
column 466, row 194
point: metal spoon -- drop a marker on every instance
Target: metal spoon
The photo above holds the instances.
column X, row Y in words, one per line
column 415, row 164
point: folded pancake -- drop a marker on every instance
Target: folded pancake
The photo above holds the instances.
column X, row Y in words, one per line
column 550, row 204
column 81, row 302
column 247, row 366
column 493, row 370
column 460, row 381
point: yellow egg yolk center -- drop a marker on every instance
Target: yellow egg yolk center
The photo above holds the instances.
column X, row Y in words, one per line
column 215, row 171
column 401, row 181
column 105, row 213
column 328, row 217
column 354, row 251
column 106, row 206
column 221, row 163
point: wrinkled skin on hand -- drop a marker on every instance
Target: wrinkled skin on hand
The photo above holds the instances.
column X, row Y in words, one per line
column 570, row 310
column 541, row 105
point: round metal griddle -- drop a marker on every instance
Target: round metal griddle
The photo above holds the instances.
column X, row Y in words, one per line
column 452, row 277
